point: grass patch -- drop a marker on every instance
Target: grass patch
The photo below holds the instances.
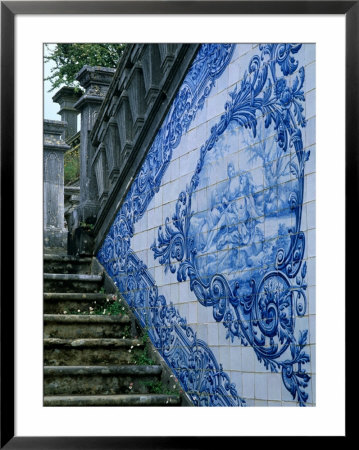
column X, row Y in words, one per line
column 143, row 359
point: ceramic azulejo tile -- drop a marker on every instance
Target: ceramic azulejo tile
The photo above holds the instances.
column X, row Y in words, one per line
column 232, row 238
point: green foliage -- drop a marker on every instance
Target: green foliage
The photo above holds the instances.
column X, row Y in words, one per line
column 145, row 336
column 70, row 58
column 143, row 359
column 89, row 227
column 112, row 306
column 157, row 387
column 154, row 387
column 113, row 309
column 72, row 165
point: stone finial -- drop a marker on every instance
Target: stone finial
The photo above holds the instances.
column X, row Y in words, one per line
column 95, row 80
column 53, row 134
column 66, row 97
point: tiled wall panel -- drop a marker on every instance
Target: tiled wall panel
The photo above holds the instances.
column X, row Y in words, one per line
column 214, row 246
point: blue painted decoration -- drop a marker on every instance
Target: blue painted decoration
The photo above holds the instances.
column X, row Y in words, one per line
column 216, row 248
column 243, row 254
column 191, row 360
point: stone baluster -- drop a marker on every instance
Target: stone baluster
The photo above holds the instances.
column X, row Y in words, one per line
column 101, row 172
column 167, row 54
column 66, row 97
column 95, row 81
column 152, row 73
column 136, row 96
column 125, row 125
column 55, row 233
column 112, row 144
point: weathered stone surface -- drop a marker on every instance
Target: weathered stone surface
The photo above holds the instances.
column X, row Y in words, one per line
column 66, row 264
column 95, row 81
column 85, row 319
column 113, row 155
column 73, row 277
column 113, row 400
column 55, row 240
column 85, row 326
column 72, row 203
column 103, row 370
column 76, row 296
column 103, row 380
column 125, row 126
column 77, row 352
column 55, row 234
column 81, row 242
column 122, row 127
column 152, row 74
column 66, row 97
column 90, row 359
column 136, row 95
column 167, row 54
column 71, row 282
column 100, row 167
column 58, row 303
column 91, row 343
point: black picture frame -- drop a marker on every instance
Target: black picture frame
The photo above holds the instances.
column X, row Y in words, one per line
column 9, row 9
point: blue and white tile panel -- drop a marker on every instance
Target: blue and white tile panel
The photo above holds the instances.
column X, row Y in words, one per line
column 214, row 246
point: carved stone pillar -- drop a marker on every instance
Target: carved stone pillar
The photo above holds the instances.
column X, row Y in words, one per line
column 55, row 234
column 95, row 81
column 66, row 97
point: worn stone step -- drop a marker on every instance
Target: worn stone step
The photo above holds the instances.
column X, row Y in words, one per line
column 101, row 380
column 114, row 400
column 58, row 302
column 58, row 282
column 67, row 264
column 86, row 326
column 91, row 352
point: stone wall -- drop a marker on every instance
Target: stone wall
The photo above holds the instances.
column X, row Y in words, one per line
column 211, row 238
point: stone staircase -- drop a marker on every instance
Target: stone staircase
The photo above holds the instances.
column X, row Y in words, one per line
column 92, row 358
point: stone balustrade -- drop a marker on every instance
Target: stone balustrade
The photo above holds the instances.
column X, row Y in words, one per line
column 121, row 112
column 127, row 119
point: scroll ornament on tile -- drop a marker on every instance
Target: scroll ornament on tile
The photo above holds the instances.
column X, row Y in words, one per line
column 257, row 306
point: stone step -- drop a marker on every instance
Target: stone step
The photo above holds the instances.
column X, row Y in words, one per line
column 58, row 302
column 67, row 264
column 91, row 352
column 102, row 380
column 58, row 282
column 85, row 326
column 114, row 400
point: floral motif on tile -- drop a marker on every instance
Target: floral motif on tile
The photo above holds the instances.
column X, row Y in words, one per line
column 244, row 253
column 190, row 358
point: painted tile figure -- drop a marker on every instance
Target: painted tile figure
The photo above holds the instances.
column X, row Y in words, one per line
column 229, row 236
